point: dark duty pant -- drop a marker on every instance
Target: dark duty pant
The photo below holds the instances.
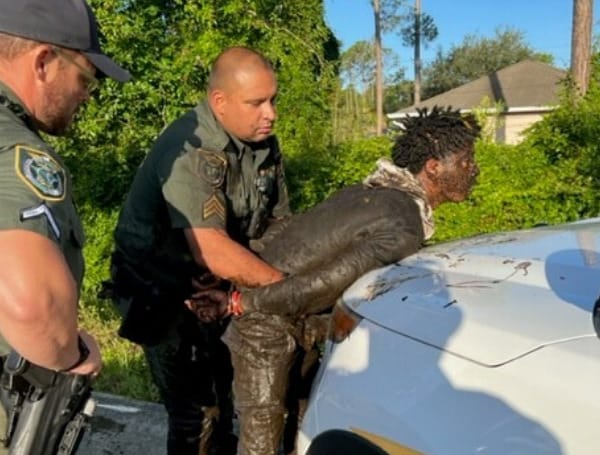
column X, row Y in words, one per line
column 189, row 363
column 193, row 373
column 192, row 370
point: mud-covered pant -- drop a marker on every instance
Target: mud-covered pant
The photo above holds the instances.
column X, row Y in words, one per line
column 192, row 371
column 264, row 350
column 304, row 371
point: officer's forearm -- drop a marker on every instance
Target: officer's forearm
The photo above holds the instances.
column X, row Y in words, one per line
column 229, row 260
column 38, row 300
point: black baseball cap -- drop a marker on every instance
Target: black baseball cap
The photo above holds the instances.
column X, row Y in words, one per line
column 66, row 23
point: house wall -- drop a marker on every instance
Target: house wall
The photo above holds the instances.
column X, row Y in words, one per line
column 509, row 127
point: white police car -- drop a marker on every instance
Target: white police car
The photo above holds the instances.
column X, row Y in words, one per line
column 480, row 346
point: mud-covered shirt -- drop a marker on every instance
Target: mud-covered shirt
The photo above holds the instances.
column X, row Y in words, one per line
column 35, row 186
column 328, row 247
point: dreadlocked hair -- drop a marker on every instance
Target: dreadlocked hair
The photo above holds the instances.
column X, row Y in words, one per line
column 434, row 134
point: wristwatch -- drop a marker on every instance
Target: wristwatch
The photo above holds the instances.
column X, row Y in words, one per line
column 84, row 353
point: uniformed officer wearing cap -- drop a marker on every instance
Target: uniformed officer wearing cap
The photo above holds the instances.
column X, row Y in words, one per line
column 50, row 60
column 209, row 184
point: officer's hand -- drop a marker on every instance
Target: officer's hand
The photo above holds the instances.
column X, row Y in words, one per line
column 209, row 305
column 206, row 281
column 93, row 364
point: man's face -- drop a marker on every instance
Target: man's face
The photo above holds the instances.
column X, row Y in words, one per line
column 246, row 108
column 458, row 174
column 64, row 94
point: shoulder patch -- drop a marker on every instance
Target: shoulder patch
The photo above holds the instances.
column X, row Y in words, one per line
column 212, row 167
column 41, row 173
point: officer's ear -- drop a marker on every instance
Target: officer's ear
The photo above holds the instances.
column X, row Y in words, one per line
column 42, row 58
column 217, row 101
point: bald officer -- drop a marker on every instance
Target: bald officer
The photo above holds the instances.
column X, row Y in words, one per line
column 210, row 183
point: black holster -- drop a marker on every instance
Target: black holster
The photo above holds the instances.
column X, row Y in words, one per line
column 151, row 308
column 259, row 219
column 47, row 411
column 258, row 222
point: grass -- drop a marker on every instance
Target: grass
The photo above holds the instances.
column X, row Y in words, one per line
column 125, row 371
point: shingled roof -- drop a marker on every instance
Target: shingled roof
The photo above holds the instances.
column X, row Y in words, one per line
column 525, row 85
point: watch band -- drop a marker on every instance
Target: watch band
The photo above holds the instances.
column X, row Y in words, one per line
column 84, row 353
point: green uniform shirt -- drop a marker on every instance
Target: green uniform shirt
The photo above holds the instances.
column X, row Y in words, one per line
column 35, row 187
column 195, row 176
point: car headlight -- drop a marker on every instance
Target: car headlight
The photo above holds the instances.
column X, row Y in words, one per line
column 343, row 322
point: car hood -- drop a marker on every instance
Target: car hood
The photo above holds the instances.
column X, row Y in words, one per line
column 492, row 298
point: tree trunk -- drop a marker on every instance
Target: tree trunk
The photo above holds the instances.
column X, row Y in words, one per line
column 581, row 43
column 417, row 93
column 378, row 68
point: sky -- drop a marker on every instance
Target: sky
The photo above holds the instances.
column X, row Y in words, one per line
column 545, row 24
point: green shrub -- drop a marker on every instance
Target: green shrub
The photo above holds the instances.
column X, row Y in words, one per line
column 518, row 187
column 315, row 174
column 124, row 371
column 99, row 226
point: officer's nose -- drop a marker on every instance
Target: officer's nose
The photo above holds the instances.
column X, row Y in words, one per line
column 269, row 112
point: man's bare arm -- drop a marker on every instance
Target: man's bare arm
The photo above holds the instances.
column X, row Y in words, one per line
column 228, row 259
column 38, row 303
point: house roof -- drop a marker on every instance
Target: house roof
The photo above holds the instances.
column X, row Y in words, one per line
column 527, row 84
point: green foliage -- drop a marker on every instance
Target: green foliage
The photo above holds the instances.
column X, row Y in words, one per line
column 488, row 117
column 571, row 132
column 421, row 26
column 518, row 187
column 476, row 57
column 124, row 370
column 357, row 64
column 354, row 100
column 390, row 16
column 353, row 161
column 99, row 227
column 168, row 47
column 398, row 93
column 316, row 175
column 353, row 115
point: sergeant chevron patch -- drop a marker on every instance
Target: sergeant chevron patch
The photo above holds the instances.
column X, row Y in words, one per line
column 213, row 207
